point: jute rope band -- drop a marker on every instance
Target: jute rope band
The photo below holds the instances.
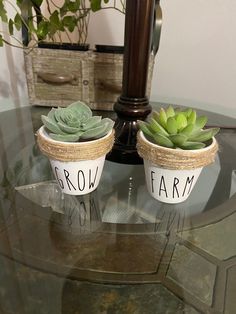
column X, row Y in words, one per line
column 176, row 158
column 65, row 151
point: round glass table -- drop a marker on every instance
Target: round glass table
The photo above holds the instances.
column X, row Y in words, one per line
column 116, row 250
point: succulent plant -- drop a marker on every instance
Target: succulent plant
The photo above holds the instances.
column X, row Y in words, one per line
column 75, row 124
column 175, row 128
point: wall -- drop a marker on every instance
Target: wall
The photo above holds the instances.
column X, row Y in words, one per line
column 195, row 63
column 13, row 90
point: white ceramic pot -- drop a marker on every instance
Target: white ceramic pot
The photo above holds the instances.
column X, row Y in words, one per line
column 75, row 175
column 171, row 185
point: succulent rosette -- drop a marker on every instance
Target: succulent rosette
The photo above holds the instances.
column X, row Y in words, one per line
column 175, row 128
column 75, row 123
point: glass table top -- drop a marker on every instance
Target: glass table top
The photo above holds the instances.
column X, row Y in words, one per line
column 115, row 250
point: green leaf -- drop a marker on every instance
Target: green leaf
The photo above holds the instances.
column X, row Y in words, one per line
column 162, row 140
column 42, row 30
column 192, row 145
column 94, row 133
column 37, row 2
column 1, row 41
column 204, row 135
column 10, row 26
column 18, row 21
column 178, row 139
column 171, row 125
column 91, row 123
column 51, row 125
column 73, row 6
column 200, row 122
column 187, row 130
column 170, row 112
column 67, row 129
column 69, row 22
column 156, row 127
column 66, row 137
column 3, row 12
column 192, row 117
column 181, row 121
column 162, row 118
column 144, row 127
column 82, row 109
column 187, row 112
column 95, row 5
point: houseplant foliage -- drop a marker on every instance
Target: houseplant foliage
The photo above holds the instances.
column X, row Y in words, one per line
column 175, row 147
column 76, row 144
column 69, row 16
column 177, row 129
column 76, row 123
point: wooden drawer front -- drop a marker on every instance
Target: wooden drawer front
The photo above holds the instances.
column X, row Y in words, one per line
column 57, row 79
column 107, row 82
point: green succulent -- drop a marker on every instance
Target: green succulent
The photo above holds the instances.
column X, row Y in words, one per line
column 175, row 128
column 75, row 124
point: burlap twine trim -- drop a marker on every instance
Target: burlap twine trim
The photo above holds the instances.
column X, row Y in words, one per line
column 74, row 151
column 176, row 159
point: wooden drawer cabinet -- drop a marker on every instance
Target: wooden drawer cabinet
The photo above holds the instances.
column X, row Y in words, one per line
column 60, row 77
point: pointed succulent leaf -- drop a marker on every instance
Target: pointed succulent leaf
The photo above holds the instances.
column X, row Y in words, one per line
column 82, row 110
column 170, row 112
column 66, row 137
column 162, row 140
column 67, row 129
column 144, row 127
column 171, row 125
column 192, row 145
column 156, row 127
column 178, row 139
column 162, row 118
column 204, row 135
column 187, row 130
column 51, row 114
column 155, row 115
column 91, row 122
column 51, row 125
column 187, row 112
column 110, row 124
column 192, row 117
column 181, row 121
column 95, row 132
column 200, row 122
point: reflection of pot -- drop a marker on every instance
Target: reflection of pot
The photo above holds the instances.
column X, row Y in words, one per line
column 172, row 173
column 76, row 166
column 78, row 216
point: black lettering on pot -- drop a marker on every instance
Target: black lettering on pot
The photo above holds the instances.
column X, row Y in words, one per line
column 69, row 183
column 81, row 180
column 152, row 179
column 91, row 184
column 58, row 180
column 162, row 186
column 190, row 183
column 175, row 183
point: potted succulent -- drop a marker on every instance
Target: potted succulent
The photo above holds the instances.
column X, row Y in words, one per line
column 175, row 148
column 76, row 143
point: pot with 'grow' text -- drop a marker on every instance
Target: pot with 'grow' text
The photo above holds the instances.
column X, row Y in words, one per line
column 76, row 144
